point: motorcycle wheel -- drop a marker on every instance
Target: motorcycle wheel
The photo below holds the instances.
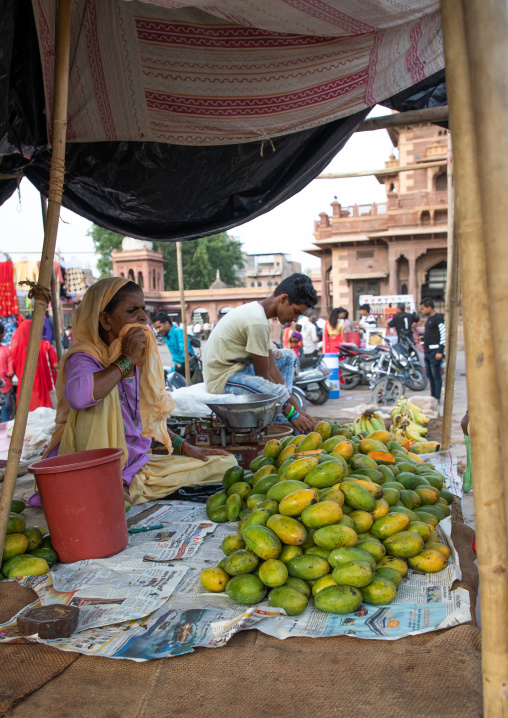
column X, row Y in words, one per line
column 318, row 397
column 349, row 381
column 418, row 380
column 299, row 397
column 387, row 392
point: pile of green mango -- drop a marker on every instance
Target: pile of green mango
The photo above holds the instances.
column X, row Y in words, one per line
column 26, row 551
column 318, row 516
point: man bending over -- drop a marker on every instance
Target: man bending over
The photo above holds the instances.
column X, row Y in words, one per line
column 238, row 356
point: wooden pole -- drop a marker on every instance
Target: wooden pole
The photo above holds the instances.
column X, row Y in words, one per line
column 41, row 290
column 55, row 299
column 183, row 311
column 482, row 382
column 384, row 171
column 487, row 39
column 451, row 309
column 400, row 119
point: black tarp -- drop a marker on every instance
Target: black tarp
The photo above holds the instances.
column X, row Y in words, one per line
column 153, row 190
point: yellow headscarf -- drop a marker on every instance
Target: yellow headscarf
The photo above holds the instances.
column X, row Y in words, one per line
column 102, row 423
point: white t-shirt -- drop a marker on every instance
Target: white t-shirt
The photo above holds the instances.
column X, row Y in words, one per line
column 309, row 338
column 241, row 332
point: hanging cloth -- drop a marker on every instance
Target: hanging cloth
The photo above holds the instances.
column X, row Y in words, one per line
column 75, row 281
column 26, row 271
column 8, row 298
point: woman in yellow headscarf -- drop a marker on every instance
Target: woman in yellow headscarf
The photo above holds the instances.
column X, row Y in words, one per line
column 111, row 393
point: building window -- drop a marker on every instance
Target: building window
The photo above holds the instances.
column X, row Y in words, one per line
column 130, row 275
column 260, row 284
column 425, row 217
column 441, row 182
column 122, row 274
column 153, row 279
column 140, row 279
column 365, row 254
column 403, row 289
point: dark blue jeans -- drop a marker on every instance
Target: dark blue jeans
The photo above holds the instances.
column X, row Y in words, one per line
column 5, row 412
column 433, row 371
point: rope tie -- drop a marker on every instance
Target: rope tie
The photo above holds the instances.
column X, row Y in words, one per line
column 37, row 291
column 56, row 180
column 263, row 145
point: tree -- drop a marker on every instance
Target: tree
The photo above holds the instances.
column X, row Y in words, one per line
column 104, row 242
column 200, row 260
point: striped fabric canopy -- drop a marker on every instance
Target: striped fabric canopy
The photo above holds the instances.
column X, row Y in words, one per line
column 235, row 71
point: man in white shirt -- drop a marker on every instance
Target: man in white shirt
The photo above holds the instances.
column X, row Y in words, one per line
column 368, row 320
column 238, row 356
column 309, row 336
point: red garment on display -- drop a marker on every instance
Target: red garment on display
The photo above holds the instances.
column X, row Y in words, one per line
column 45, row 376
column 8, row 298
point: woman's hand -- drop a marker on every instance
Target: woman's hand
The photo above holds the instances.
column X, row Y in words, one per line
column 194, row 453
column 134, row 344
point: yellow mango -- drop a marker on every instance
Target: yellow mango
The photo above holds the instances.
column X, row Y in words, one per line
column 293, row 504
column 429, row 561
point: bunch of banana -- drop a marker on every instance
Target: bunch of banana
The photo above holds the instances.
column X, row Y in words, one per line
column 367, row 423
column 407, row 421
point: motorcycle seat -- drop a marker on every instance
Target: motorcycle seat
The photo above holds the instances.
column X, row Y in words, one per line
column 306, row 362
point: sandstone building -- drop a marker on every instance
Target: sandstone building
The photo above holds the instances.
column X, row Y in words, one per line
column 398, row 247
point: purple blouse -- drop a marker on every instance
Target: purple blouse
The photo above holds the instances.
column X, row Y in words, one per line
column 78, row 391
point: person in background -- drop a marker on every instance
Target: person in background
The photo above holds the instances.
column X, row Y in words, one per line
column 434, row 342
column 403, row 322
column 239, row 358
column 285, row 334
column 173, row 336
column 309, row 336
column 333, row 335
column 45, row 373
column 367, row 320
column 6, row 374
column 48, row 332
column 348, row 323
column 295, row 343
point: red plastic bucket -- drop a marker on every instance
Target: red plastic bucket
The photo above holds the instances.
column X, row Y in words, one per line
column 82, row 497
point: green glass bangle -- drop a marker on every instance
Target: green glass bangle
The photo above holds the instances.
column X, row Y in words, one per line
column 125, row 364
column 177, row 443
column 291, row 412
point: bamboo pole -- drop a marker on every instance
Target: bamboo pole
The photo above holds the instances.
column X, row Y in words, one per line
column 183, row 311
column 54, row 293
column 451, row 309
column 384, row 171
column 487, row 38
column 482, row 386
column 401, row 119
column 41, row 291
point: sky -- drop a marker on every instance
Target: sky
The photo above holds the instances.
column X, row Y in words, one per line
column 288, row 228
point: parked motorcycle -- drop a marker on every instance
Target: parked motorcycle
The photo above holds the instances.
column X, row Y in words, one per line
column 312, row 380
column 380, row 368
column 173, row 379
column 358, row 365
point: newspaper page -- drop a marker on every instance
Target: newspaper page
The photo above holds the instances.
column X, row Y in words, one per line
column 147, row 602
column 446, row 463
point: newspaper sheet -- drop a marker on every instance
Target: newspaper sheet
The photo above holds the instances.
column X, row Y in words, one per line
column 446, row 463
column 147, row 602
